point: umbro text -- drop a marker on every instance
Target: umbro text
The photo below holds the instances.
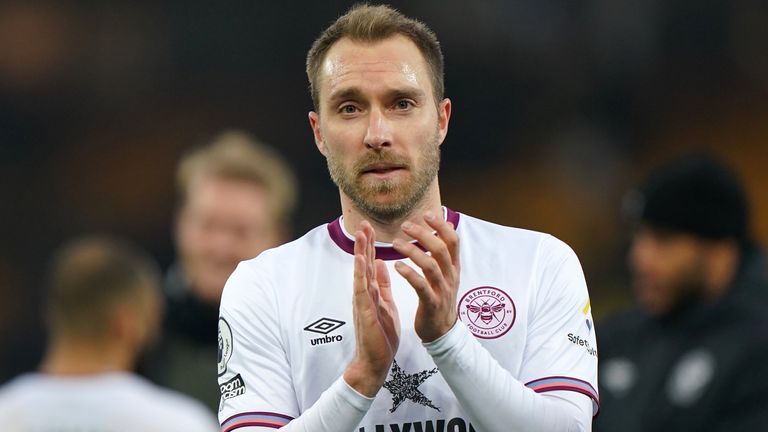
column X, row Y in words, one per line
column 326, row 339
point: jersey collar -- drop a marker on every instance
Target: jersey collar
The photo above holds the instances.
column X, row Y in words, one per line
column 384, row 251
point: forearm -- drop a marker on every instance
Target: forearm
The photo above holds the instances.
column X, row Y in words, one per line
column 493, row 398
column 339, row 409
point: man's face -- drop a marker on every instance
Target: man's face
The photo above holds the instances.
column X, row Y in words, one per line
column 667, row 268
column 379, row 126
column 223, row 222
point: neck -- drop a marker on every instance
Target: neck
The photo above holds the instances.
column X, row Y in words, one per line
column 73, row 357
column 387, row 231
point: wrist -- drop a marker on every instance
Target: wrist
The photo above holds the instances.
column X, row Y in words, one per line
column 439, row 332
column 457, row 339
column 364, row 380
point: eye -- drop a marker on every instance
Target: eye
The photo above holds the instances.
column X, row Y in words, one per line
column 403, row 104
column 348, row 109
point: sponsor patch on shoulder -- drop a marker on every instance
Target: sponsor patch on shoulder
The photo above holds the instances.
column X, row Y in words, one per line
column 580, row 341
column 225, row 345
column 232, row 388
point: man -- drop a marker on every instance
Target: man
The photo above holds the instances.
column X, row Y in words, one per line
column 103, row 308
column 236, row 197
column 494, row 334
column 693, row 355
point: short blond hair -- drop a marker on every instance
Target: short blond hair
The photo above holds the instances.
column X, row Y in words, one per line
column 235, row 154
column 368, row 23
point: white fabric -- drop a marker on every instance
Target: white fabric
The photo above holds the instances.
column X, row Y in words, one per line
column 339, row 408
column 501, row 400
column 111, row 402
column 270, row 301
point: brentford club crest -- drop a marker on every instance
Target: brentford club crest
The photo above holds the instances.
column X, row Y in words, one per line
column 488, row 312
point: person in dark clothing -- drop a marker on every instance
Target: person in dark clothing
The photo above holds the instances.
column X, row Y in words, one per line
column 691, row 356
column 236, row 197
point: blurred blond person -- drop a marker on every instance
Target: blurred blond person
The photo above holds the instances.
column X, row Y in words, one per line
column 236, row 197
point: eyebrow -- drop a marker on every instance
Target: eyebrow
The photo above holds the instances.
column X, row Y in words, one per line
column 345, row 94
column 355, row 93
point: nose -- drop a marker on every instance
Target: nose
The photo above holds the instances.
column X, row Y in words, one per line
column 222, row 243
column 379, row 133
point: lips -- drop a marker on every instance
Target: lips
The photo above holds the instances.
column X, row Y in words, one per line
column 382, row 168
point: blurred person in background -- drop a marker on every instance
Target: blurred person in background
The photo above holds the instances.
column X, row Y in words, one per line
column 103, row 309
column 236, row 197
column 692, row 355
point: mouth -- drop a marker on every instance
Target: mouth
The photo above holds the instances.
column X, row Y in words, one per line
column 382, row 169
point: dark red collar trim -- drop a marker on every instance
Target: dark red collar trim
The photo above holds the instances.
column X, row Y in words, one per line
column 386, row 253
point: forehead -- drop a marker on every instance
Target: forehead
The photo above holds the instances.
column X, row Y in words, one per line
column 221, row 193
column 391, row 62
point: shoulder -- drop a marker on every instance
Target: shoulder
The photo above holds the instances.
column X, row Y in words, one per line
column 17, row 387
column 278, row 257
column 746, row 317
column 547, row 261
column 256, row 275
column 169, row 407
column 472, row 226
column 511, row 237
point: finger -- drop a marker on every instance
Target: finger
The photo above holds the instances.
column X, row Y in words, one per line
column 388, row 314
column 361, row 285
column 370, row 246
column 423, row 290
column 447, row 232
column 360, row 243
column 361, row 298
column 371, row 234
column 428, row 265
column 367, row 229
column 384, row 283
column 435, row 245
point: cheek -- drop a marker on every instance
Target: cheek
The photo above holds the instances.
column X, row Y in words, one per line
column 339, row 135
column 193, row 237
column 673, row 266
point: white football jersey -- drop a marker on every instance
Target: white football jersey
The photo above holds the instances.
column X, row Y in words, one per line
column 286, row 331
column 110, row 402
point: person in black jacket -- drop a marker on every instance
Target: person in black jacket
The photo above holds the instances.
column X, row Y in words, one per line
column 236, row 199
column 693, row 354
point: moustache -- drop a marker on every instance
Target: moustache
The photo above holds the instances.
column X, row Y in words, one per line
column 365, row 163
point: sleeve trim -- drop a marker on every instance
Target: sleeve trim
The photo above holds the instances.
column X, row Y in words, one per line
column 553, row 383
column 256, row 418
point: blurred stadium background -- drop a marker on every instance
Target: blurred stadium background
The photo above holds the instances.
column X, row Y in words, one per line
column 559, row 108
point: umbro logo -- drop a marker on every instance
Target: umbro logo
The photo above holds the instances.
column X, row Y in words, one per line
column 324, row 326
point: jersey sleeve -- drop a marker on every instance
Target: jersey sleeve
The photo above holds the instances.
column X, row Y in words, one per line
column 253, row 368
column 561, row 348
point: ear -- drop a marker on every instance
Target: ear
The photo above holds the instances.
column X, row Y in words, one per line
column 314, row 123
column 123, row 324
column 443, row 118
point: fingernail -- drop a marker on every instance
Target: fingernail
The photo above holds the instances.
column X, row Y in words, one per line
column 396, row 242
column 407, row 225
column 429, row 216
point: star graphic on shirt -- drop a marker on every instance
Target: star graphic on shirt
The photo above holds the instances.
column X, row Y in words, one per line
column 406, row 386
